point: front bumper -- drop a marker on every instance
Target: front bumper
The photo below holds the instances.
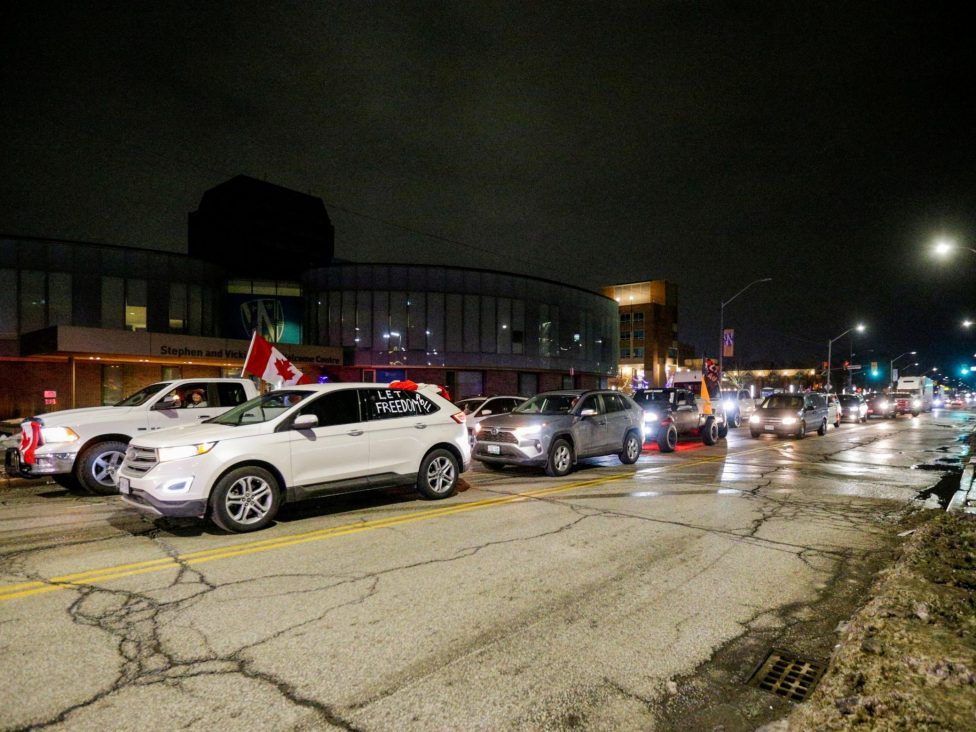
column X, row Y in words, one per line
column 52, row 463
column 526, row 452
column 775, row 428
column 147, row 503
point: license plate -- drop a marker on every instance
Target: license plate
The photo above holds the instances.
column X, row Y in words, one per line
column 123, row 485
column 770, row 428
column 494, row 450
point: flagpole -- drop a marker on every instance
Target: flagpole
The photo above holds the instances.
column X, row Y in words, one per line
column 248, row 356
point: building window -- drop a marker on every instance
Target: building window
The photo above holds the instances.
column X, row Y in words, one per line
column 177, row 306
column 112, row 384
column 624, row 317
column 528, row 384
column 135, row 304
column 33, row 303
column 638, row 317
column 171, row 373
column 638, row 353
column 113, row 303
column 638, row 335
column 8, row 302
column 624, row 353
column 59, row 298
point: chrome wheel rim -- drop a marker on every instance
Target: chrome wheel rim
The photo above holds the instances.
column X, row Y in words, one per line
column 560, row 458
column 672, row 438
column 249, row 499
column 633, row 449
column 105, row 466
column 441, row 474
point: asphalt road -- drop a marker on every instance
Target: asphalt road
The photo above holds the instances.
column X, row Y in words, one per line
column 624, row 597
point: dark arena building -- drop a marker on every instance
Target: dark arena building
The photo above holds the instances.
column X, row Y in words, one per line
column 85, row 324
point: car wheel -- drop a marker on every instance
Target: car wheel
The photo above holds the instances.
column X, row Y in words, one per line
column 710, row 432
column 914, row 414
column 438, row 474
column 723, row 431
column 801, row 431
column 97, row 466
column 736, row 420
column 755, row 435
column 668, row 439
column 246, row 499
column 632, row 449
column 560, row 460
column 69, row 482
column 822, row 429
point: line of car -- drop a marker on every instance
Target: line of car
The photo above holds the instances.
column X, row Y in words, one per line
column 239, row 459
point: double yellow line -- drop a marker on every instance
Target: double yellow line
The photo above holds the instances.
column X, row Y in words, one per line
column 105, row 574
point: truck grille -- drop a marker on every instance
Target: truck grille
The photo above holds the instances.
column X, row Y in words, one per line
column 139, row 460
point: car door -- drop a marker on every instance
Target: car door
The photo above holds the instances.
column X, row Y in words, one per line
column 338, row 448
column 618, row 420
column 685, row 411
column 591, row 431
column 746, row 405
column 400, row 429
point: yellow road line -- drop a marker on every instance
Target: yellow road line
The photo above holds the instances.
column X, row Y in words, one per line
column 104, row 574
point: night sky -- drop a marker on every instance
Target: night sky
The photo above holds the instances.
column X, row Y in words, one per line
column 823, row 145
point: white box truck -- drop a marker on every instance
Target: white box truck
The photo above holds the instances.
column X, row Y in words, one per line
column 921, row 388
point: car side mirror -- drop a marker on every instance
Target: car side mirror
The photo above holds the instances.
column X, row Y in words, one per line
column 588, row 413
column 170, row 402
column 485, row 412
column 305, row 422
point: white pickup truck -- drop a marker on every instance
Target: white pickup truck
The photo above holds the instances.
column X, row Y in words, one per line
column 81, row 449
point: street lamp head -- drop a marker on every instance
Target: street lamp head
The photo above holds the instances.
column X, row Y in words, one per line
column 943, row 247
column 859, row 327
column 967, row 323
column 913, row 353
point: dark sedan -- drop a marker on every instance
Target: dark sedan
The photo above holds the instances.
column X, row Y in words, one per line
column 880, row 405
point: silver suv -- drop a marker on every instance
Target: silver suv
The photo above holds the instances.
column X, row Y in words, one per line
column 555, row 429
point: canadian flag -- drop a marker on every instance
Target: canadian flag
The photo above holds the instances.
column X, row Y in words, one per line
column 270, row 364
column 30, row 440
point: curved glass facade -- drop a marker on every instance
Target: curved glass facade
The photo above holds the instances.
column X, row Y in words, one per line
column 419, row 316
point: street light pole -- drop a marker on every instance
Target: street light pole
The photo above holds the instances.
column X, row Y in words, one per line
column 830, row 345
column 891, row 367
column 721, row 326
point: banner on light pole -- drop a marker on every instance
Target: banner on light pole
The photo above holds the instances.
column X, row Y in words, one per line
column 728, row 343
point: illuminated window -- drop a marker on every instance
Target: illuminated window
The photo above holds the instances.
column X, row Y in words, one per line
column 135, row 304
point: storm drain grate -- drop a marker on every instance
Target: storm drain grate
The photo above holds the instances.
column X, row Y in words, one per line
column 788, row 676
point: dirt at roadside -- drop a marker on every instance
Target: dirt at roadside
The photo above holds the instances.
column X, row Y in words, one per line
column 907, row 659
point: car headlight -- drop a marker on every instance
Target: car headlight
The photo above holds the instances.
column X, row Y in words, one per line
column 477, row 428
column 916, row 403
column 729, row 404
column 882, row 405
column 789, row 420
column 165, row 454
column 58, row 434
column 651, row 417
column 755, row 419
column 523, row 432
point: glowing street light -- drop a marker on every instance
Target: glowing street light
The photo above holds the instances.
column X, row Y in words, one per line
column 944, row 247
column 891, row 366
column 830, row 345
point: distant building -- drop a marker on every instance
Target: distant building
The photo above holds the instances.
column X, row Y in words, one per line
column 85, row 324
column 648, row 330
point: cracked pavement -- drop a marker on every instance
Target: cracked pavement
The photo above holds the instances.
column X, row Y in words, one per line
column 533, row 603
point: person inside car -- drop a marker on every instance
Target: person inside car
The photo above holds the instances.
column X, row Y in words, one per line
column 196, row 399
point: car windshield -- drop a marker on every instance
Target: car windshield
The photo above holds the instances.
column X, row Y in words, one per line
column 143, row 395
column 783, row 401
column 262, row 408
column 470, row 406
column 848, row 399
column 653, row 395
column 547, row 404
column 901, row 395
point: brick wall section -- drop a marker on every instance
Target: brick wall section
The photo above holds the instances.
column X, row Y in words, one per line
column 550, row 381
column 501, row 382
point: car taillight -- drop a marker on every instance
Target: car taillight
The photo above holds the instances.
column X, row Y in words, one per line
column 458, row 417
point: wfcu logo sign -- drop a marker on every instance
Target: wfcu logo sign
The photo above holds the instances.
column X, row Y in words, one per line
column 266, row 316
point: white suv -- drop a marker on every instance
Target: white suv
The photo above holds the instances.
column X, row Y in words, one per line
column 296, row 443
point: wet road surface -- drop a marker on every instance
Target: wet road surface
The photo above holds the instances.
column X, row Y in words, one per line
column 593, row 600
